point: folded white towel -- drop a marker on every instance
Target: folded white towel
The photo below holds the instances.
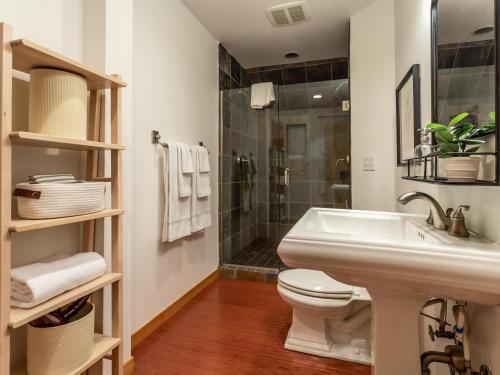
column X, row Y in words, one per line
column 185, row 169
column 201, row 216
column 202, row 173
column 177, row 217
column 204, row 159
column 36, row 283
column 262, row 95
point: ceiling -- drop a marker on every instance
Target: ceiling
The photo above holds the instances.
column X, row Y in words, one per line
column 458, row 19
column 243, row 28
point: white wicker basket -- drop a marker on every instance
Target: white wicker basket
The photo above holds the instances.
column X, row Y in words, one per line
column 63, row 349
column 53, row 200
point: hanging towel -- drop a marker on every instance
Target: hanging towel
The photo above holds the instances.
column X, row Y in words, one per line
column 201, row 216
column 262, row 95
column 185, row 169
column 204, row 159
column 177, row 215
column 203, row 172
column 36, row 283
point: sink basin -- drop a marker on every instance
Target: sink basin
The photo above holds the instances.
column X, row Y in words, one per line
column 402, row 262
column 396, row 251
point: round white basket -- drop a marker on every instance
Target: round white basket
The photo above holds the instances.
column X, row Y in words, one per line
column 61, row 200
column 58, row 103
column 61, row 350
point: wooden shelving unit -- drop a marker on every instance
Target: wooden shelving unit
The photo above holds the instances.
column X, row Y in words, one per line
column 23, row 55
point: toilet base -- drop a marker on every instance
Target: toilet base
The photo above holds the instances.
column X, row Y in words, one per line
column 312, row 334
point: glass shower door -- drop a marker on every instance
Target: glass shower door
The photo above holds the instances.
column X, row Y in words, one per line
column 312, row 145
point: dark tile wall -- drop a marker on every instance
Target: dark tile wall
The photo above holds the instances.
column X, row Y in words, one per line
column 306, row 72
column 238, row 133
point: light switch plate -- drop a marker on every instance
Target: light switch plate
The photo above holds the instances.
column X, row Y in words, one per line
column 346, row 105
column 368, row 163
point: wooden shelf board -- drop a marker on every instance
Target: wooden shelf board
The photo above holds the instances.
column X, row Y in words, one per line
column 20, row 317
column 102, row 346
column 41, row 140
column 24, row 225
column 28, row 55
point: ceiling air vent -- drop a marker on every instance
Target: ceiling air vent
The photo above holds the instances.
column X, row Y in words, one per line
column 288, row 14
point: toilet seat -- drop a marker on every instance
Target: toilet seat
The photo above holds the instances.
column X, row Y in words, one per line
column 314, row 283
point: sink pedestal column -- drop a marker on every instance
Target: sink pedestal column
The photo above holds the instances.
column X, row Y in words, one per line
column 396, row 335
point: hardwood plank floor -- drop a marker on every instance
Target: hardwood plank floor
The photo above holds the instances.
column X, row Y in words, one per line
column 233, row 327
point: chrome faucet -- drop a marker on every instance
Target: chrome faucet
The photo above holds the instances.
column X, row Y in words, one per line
column 437, row 217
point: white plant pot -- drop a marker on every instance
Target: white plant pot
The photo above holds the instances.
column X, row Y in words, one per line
column 462, row 168
column 61, row 350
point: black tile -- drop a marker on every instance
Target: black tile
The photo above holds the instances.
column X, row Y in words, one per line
column 318, row 73
column 340, row 69
column 226, row 225
column 235, row 221
column 226, row 114
column 224, row 81
column 235, row 195
column 293, row 76
column 253, row 77
column 235, row 70
column 224, row 60
column 274, row 76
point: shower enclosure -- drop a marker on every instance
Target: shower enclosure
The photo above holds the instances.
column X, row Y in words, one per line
column 278, row 162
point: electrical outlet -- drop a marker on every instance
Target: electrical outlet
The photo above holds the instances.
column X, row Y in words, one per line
column 368, row 163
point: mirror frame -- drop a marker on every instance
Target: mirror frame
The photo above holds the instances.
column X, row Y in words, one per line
column 434, row 74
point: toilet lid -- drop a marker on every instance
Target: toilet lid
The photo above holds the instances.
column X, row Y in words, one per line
column 314, row 281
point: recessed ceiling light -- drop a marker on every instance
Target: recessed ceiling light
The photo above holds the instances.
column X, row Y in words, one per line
column 291, row 55
column 317, row 96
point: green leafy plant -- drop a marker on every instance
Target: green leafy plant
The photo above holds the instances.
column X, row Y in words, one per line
column 460, row 135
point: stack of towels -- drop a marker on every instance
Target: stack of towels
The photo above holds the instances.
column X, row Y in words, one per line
column 187, row 190
column 36, row 283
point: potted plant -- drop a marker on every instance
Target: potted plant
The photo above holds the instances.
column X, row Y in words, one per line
column 461, row 137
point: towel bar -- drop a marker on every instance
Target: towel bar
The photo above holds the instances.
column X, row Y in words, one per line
column 156, row 139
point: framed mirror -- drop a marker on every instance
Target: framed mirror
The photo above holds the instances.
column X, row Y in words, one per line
column 465, row 72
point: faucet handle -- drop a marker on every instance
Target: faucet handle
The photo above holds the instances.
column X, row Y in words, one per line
column 458, row 227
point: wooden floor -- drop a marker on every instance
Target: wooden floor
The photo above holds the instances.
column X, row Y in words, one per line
column 233, row 327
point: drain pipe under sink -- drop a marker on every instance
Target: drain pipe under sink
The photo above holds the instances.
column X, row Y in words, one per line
column 355, row 321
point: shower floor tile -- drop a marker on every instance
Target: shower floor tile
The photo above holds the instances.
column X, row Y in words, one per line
column 261, row 253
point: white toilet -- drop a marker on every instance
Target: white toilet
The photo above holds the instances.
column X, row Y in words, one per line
column 330, row 319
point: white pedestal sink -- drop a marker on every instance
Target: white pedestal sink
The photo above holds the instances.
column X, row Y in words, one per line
column 402, row 262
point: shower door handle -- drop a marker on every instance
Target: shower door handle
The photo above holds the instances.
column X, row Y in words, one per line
column 287, row 177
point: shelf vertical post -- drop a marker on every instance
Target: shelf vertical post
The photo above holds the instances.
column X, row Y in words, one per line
column 5, row 191
column 116, row 229
column 92, row 159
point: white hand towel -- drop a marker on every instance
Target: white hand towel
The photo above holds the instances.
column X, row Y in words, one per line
column 203, row 172
column 177, row 217
column 204, row 159
column 36, row 283
column 262, row 95
column 185, row 169
column 201, row 216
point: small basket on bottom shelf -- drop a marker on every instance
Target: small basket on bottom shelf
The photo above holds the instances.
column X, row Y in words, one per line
column 61, row 349
column 455, row 168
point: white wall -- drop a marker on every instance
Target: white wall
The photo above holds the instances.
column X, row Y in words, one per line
column 176, row 92
column 413, row 46
column 373, row 106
